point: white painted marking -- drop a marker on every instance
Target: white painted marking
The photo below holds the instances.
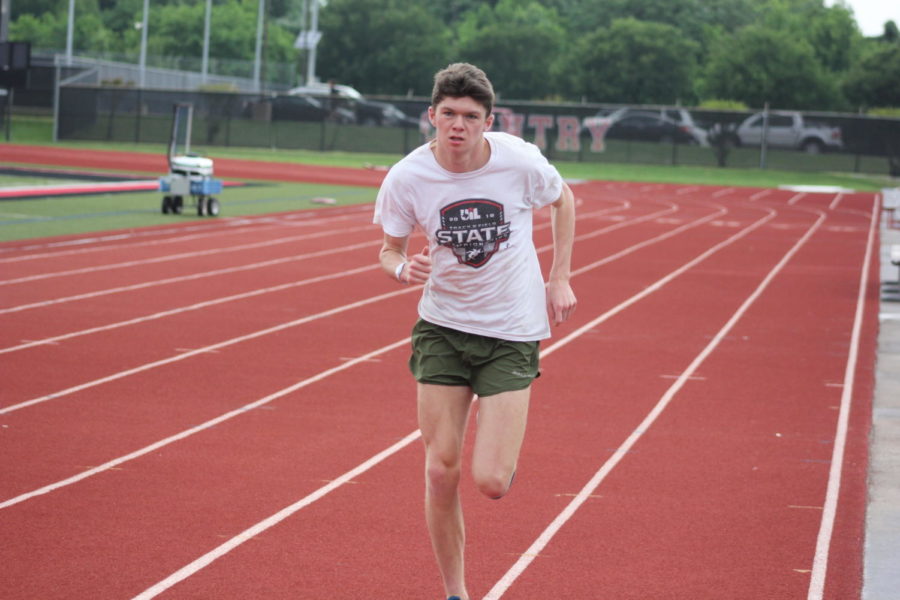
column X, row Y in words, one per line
column 192, row 277
column 823, row 541
column 540, row 543
column 184, row 309
column 226, row 226
column 278, row 517
column 205, row 349
column 180, row 256
column 203, row 426
column 248, row 534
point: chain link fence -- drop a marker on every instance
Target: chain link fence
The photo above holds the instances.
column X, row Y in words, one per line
column 662, row 135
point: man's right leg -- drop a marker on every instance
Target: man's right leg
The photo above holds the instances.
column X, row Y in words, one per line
column 443, row 414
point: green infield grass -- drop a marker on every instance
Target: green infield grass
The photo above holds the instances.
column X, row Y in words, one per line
column 53, row 216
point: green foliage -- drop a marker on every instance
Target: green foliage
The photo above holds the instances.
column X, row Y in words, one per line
column 760, row 65
column 790, row 53
column 636, row 62
column 381, row 46
column 875, row 79
column 893, row 112
column 722, row 105
column 834, row 37
column 46, row 30
column 514, row 28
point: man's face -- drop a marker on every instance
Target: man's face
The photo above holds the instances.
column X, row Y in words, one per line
column 460, row 123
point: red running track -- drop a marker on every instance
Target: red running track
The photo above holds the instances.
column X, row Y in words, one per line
column 223, row 410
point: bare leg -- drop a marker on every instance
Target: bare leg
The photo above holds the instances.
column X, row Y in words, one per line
column 501, row 430
column 443, row 413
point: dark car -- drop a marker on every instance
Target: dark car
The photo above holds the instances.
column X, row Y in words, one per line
column 372, row 112
column 306, row 108
column 303, row 108
column 650, row 127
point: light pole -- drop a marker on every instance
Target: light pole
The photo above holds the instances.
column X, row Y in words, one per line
column 314, row 40
column 259, row 32
column 143, row 59
column 205, row 67
column 70, row 33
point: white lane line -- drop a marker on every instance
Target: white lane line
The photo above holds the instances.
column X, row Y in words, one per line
column 31, row 343
column 541, row 542
column 205, row 349
column 226, row 226
column 282, row 326
column 203, row 426
column 215, row 272
column 837, row 200
column 188, row 308
column 235, row 228
column 260, row 527
column 116, row 462
column 191, row 277
column 222, row 550
column 181, row 256
column 823, row 540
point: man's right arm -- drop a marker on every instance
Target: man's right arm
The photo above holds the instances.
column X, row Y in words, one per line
column 394, row 262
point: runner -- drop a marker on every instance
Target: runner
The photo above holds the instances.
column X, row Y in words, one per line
column 484, row 307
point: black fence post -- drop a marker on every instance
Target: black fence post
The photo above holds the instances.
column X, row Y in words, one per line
column 137, row 120
column 7, row 112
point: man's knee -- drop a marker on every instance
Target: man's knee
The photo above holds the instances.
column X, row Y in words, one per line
column 442, row 477
column 494, row 484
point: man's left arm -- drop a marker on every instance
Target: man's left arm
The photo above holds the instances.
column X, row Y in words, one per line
column 560, row 297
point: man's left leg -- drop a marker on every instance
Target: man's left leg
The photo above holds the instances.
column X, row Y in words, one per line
column 498, row 439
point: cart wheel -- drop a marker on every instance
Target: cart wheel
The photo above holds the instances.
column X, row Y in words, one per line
column 201, row 206
column 177, row 205
column 212, row 207
column 166, row 205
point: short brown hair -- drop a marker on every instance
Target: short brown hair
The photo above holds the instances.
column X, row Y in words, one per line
column 461, row 80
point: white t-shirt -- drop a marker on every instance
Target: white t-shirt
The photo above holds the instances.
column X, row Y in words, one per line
column 486, row 278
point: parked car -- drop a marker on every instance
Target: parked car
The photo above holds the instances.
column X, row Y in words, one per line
column 367, row 112
column 662, row 125
column 372, row 112
column 789, row 130
column 306, row 108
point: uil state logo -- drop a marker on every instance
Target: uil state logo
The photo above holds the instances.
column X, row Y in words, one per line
column 473, row 229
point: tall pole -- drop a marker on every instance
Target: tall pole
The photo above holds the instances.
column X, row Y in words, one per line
column 313, row 41
column 205, row 68
column 4, row 20
column 143, row 59
column 259, row 32
column 70, row 33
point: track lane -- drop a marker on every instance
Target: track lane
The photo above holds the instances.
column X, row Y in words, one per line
column 108, row 404
column 234, row 587
column 688, row 515
column 46, row 354
column 428, row 577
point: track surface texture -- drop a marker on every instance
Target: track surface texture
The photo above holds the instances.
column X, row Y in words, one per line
column 222, row 410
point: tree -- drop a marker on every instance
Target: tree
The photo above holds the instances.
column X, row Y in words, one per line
column 381, row 46
column 635, row 62
column 834, row 37
column 517, row 44
column 759, row 65
column 875, row 80
column 49, row 30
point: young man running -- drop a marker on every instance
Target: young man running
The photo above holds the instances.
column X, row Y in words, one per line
column 485, row 306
